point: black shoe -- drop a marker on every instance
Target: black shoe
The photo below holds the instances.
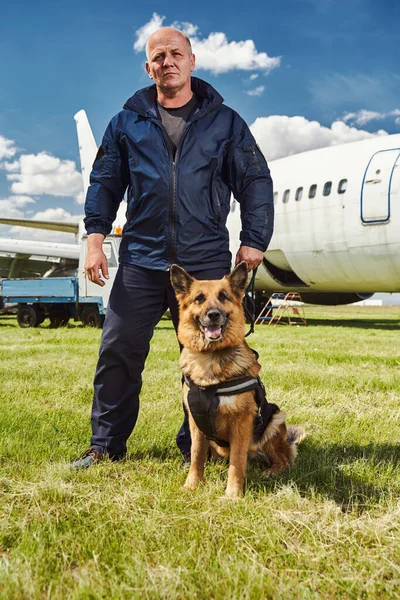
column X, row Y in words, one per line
column 88, row 459
column 186, row 460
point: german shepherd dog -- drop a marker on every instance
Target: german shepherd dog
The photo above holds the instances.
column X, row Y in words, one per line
column 211, row 330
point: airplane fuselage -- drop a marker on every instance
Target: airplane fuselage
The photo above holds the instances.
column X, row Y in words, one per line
column 337, row 220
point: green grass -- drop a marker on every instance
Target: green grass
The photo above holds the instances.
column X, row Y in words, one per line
column 330, row 528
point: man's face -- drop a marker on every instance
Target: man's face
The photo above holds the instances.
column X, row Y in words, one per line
column 169, row 60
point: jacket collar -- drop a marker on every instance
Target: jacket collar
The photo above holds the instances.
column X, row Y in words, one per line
column 144, row 100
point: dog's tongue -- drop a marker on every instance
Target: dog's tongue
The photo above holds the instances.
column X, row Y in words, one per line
column 213, row 332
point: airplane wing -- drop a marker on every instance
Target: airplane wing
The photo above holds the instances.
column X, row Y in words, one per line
column 34, row 248
column 51, row 225
column 29, row 258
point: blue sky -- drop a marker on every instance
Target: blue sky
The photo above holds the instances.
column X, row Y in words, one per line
column 332, row 63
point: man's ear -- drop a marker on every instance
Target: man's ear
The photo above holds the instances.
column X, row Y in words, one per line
column 180, row 280
column 148, row 71
column 238, row 278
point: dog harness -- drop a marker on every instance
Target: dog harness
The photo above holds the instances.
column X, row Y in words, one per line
column 204, row 401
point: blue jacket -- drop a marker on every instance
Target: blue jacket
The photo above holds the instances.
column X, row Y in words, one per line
column 177, row 208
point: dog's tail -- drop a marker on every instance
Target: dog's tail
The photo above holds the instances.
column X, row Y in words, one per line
column 295, row 433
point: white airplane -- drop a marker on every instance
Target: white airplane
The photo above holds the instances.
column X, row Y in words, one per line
column 337, row 220
column 337, row 223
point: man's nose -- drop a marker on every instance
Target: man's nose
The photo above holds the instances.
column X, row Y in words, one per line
column 168, row 60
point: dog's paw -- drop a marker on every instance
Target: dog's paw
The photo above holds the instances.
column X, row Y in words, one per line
column 185, row 488
column 234, row 494
column 191, row 484
column 230, row 498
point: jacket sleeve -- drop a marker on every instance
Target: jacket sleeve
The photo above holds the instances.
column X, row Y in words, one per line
column 108, row 181
column 251, row 184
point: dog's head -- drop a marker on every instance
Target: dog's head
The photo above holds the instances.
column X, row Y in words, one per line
column 211, row 314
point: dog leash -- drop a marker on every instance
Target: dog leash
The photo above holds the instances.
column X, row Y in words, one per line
column 249, row 303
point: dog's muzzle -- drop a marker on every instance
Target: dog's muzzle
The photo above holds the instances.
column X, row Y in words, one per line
column 213, row 324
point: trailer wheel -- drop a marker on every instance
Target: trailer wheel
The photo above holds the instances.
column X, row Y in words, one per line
column 28, row 316
column 92, row 318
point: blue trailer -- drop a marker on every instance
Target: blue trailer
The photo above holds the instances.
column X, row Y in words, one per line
column 57, row 298
column 63, row 298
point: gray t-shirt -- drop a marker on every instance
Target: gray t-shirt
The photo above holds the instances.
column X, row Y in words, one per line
column 174, row 120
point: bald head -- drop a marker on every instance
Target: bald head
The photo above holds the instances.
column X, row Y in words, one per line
column 166, row 34
column 170, row 62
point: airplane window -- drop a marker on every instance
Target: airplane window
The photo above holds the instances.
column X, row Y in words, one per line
column 327, row 188
column 299, row 193
column 275, row 197
column 342, row 187
column 285, row 197
column 313, row 191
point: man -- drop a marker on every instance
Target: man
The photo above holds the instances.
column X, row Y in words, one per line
column 180, row 152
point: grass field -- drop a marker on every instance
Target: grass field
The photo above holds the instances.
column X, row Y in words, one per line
column 330, row 528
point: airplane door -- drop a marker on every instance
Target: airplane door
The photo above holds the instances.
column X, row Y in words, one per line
column 377, row 186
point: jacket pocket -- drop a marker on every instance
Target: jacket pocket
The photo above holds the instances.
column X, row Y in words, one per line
column 218, row 215
column 248, row 147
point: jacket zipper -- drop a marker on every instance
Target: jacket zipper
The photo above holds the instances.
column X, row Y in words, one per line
column 172, row 253
column 255, row 157
column 172, row 202
column 219, row 208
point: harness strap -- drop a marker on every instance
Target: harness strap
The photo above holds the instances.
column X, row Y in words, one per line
column 204, row 401
column 226, row 388
column 249, row 303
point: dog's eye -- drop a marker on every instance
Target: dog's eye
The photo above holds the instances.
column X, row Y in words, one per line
column 222, row 296
column 200, row 298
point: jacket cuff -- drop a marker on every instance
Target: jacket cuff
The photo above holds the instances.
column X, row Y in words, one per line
column 252, row 244
column 96, row 229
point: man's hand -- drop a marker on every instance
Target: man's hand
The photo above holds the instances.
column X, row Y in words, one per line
column 96, row 265
column 252, row 256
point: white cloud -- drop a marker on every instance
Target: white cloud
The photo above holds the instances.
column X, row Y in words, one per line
column 217, row 55
column 188, row 28
column 214, row 53
column 44, row 174
column 56, row 214
column 12, row 207
column 258, row 91
column 362, row 117
column 143, row 33
column 280, row 135
column 7, row 148
column 80, row 198
column 253, row 76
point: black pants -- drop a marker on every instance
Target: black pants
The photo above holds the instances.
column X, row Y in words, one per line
column 138, row 300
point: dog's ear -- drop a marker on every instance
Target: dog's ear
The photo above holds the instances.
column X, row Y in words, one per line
column 180, row 280
column 238, row 278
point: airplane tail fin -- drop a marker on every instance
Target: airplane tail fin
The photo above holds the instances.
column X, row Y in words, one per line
column 87, row 146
